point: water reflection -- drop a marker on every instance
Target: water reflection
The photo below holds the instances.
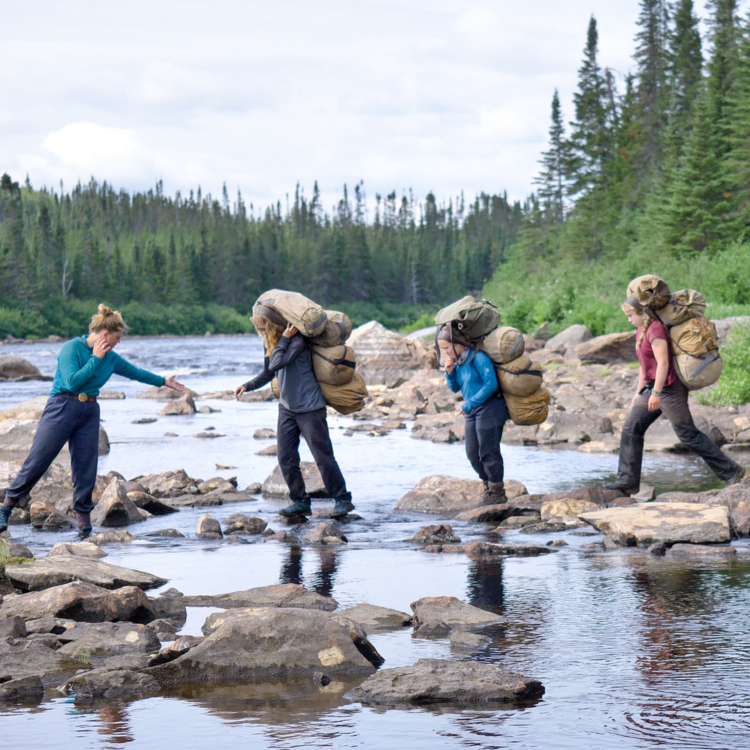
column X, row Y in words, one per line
column 115, row 725
column 321, row 581
column 485, row 584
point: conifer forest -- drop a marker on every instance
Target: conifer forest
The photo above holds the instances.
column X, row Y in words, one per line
column 650, row 173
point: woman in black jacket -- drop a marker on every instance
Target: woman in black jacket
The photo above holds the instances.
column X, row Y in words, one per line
column 302, row 412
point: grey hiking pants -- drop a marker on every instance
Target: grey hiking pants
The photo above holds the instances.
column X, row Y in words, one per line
column 674, row 405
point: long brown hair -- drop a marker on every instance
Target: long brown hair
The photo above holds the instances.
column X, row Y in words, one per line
column 272, row 333
column 647, row 321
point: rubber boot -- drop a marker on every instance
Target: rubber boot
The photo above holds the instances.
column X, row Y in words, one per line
column 4, row 517
column 297, row 508
column 342, row 506
column 84, row 525
column 497, row 493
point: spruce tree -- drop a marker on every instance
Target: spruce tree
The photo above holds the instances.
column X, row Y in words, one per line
column 723, row 64
column 553, row 179
column 685, row 70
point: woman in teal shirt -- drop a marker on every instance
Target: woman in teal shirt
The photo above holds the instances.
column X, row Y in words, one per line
column 472, row 372
column 71, row 415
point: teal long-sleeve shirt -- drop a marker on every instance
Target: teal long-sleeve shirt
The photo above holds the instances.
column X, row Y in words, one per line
column 476, row 379
column 79, row 371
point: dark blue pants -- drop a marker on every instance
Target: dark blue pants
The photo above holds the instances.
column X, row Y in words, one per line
column 64, row 420
column 313, row 426
column 484, row 430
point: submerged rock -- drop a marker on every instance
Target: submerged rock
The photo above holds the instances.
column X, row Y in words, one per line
column 468, row 642
column 442, row 681
column 287, row 595
column 439, row 615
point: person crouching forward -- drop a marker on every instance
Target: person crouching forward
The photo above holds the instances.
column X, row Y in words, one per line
column 472, row 372
column 302, row 412
column 71, row 415
column 661, row 391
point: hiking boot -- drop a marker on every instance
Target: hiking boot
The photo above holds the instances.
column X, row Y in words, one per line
column 496, row 493
column 736, row 478
column 84, row 533
column 486, row 494
column 342, row 506
column 622, row 487
column 297, row 508
column 4, row 517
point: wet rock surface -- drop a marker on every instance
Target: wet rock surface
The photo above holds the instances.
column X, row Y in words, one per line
column 106, row 684
column 374, row 618
column 287, row 595
column 444, row 494
column 439, row 615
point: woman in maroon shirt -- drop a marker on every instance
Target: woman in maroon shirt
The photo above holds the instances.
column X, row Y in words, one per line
column 661, row 391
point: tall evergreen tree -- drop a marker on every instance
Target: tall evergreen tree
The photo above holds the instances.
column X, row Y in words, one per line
column 553, row 180
column 685, row 71
column 722, row 66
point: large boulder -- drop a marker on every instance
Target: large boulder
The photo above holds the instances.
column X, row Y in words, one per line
column 443, row 494
column 14, row 369
column 238, row 523
column 93, row 641
column 83, row 602
column 286, row 595
column 164, row 393
column 569, row 338
column 61, row 569
column 387, row 357
column 114, row 508
column 439, row 615
column 667, row 523
column 111, row 684
column 28, row 410
column 268, row 644
column 612, row 347
column 183, row 406
column 275, row 484
column 443, row 681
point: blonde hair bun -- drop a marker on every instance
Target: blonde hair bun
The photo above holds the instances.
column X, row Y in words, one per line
column 107, row 319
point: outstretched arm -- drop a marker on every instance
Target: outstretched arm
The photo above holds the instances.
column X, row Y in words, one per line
column 130, row 371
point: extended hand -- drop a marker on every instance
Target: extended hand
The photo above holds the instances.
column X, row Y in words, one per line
column 239, row 391
column 289, row 331
column 170, row 382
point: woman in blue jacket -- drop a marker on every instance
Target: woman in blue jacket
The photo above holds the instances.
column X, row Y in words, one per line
column 473, row 373
column 71, row 415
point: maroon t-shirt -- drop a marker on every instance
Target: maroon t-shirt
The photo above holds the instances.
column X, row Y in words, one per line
column 646, row 356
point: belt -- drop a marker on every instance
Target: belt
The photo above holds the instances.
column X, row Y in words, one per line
column 82, row 397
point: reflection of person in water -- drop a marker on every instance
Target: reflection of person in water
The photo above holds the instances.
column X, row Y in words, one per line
column 291, row 570
column 115, row 724
column 485, row 584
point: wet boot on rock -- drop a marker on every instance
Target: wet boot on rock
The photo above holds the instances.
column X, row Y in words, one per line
column 84, row 525
column 297, row 508
column 497, row 494
column 342, row 506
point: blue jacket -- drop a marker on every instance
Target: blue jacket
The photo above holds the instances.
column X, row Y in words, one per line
column 476, row 379
column 79, row 371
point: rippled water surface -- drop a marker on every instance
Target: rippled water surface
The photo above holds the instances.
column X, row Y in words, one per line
column 634, row 651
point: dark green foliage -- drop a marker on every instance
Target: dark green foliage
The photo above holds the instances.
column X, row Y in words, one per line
column 734, row 385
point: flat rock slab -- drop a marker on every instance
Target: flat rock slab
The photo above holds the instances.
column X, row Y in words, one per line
column 77, row 549
column 441, row 681
column 701, row 551
column 88, row 641
column 439, row 615
column 443, row 494
column 668, row 523
column 371, row 617
column 55, row 571
column 287, row 595
column 267, row 644
column 82, row 602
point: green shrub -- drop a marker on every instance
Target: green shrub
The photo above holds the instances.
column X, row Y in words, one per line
column 734, row 384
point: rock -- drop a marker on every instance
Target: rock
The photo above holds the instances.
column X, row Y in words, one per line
column 143, row 420
column 443, row 494
column 11, row 548
column 169, row 533
column 387, row 357
column 276, row 486
column 111, row 537
column 169, row 605
column 736, row 499
column 569, row 338
column 169, row 484
column 78, row 549
column 225, row 467
column 435, row 534
column 115, row 508
column 657, row 548
column 265, row 433
column 662, row 522
column 612, row 347
column 441, row 681
column 267, row 644
column 22, row 689
column 178, row 647
column 83, row 602
column 44, row 516
column 326, row 533
column 209, row 410
column 271, row 450
column 239, row 523
column 61, row 569
column 478, row 550
column 14, row 369
column 372, row 617
column 645, row 494
column 264, row 394
column 286, row 595
column 183, row 406
column 208, row 528
column 28, row 410
column 111, row 396
column 439, row 615
column 108, row 684
column 527, row 506
column 12, row 627
column 164, row 393
column 701, row 550
column 468, row 642
column 151, row 504
column 218, row 484
column 91, row 641
column 566, row 511
column 210, row 434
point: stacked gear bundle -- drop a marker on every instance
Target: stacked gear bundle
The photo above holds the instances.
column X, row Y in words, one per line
column 520, row 379
column 326, row 332
column 695, row 344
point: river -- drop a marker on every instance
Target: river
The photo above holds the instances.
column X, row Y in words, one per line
column 634, row 651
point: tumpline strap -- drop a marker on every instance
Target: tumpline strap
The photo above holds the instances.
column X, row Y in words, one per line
column 342, row 361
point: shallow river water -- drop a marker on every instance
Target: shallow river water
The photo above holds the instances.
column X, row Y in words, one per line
column 634, row 651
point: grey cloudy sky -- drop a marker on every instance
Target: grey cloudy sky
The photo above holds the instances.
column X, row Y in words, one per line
column 424, row 94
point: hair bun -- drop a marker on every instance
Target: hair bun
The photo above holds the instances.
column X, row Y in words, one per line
column 104, row 310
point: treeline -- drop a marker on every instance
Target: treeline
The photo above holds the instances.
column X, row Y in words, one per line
column 94, row 243
column 651, row 175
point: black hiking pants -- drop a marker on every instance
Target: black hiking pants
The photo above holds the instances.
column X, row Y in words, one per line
column 312, row 426
column 674, row 405
column 484, row 430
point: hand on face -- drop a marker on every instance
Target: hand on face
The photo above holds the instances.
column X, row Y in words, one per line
column 105, row 342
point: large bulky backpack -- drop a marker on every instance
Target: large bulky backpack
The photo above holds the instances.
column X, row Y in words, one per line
column 519, row 379
column 333, row 365
column 650, row 291
column 305, row 315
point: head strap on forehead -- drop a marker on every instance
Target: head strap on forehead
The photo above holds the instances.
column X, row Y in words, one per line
column 633, row 302
column 448, row 334
column 270, row 314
